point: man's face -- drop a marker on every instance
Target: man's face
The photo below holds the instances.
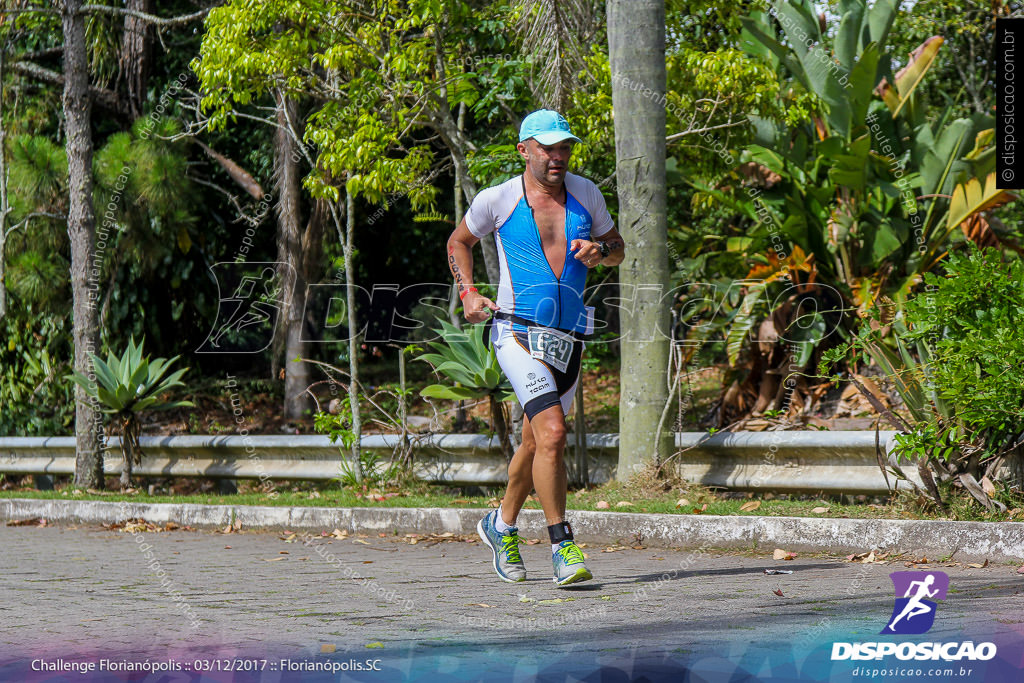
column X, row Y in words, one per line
column 546, row 163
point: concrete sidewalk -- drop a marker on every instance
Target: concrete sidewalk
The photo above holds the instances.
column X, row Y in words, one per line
column 434, row 610
column 964, row 541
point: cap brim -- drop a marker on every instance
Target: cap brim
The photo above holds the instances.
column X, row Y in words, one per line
column 554, row 137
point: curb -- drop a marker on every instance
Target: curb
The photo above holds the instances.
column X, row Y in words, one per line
column 975, row 541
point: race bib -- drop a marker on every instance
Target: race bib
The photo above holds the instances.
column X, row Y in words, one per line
column 551, row 346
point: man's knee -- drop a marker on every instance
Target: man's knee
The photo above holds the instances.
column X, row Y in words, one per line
column 553, row 434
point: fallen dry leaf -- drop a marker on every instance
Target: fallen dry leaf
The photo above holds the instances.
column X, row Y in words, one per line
column 778, row 591
column 682, row 502
column 819, row 510
column 359, row 540
column 337, row 533
column 602, row 505
column 623, row 504
column 274, row 559
column 478, row 604
column 975, row 565
column 750, row 506
column 460, row 500
column 1021, row 569
column 988, row 487
column 781, row 554
column 532, row 541
column 31, row 521
column 327, row 649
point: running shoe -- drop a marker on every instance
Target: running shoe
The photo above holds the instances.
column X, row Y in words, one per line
column 508, row 563
column 569, row 567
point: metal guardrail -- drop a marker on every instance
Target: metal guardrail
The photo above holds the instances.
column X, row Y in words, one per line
column 786, row 461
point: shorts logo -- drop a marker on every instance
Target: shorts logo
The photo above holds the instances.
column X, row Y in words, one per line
column 914, row 609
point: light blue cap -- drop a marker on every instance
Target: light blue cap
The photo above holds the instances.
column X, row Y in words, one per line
column 546, row 127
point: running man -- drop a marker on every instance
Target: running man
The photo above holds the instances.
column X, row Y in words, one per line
column 545, row 224
column 914, row 606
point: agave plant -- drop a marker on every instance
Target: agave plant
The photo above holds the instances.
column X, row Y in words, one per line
column 127, row 386
column 466, row 359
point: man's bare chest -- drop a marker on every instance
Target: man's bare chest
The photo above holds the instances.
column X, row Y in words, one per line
column 550, row 219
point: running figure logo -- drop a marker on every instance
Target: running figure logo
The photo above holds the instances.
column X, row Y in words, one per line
column 248, row 315
column 914, row 611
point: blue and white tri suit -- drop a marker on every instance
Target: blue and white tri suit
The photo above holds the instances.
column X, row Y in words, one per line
column 529, row 289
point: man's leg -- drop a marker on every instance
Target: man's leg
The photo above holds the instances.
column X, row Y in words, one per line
column 520, row 476
column 501, row 534
column 549, row 476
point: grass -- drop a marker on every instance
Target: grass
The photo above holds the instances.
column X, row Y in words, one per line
column 633, row 496
column 645, row 492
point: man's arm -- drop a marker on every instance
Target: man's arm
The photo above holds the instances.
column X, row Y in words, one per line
column 590, row 252
column 460, row 262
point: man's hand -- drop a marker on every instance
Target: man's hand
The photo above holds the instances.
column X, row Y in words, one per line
column 586, row 252
column 475, row 307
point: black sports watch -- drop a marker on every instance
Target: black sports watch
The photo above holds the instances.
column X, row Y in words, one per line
column 605, row 249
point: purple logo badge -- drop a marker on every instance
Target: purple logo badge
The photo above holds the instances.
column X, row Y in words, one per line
column 914, row 611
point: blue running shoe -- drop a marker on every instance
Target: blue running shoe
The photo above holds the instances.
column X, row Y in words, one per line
column 508, row 563
column 569, row 567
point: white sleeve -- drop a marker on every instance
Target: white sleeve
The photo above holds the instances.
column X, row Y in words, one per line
column 598, row 208
column 480, row 218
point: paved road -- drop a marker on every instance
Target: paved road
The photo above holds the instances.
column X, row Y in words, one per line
column 434, row 610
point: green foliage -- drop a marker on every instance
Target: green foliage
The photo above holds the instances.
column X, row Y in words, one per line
column 468, row 361
column 127, row 386
column 857, row 200
column 132, row 383
column 33, row 357
column 337, row 427
column 374, row 472
column 971, row 321
column 371, row 471
column 954, row 360
column 253, row 50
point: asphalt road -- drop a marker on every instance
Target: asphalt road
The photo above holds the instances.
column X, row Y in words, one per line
column 434, row 610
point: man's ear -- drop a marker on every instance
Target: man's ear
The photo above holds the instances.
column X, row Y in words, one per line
column 523, row 151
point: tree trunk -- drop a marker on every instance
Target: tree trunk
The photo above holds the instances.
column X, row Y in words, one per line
column 353, row 333
column 290, row 251
column 636, row 50
column 134, row 60
column 5, row 206
column 82, row 236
